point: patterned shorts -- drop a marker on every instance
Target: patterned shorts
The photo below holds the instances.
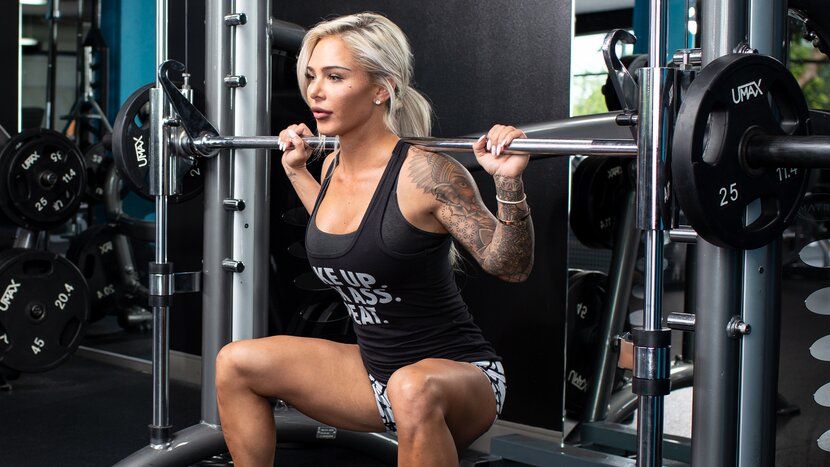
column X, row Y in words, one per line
column 491, row 368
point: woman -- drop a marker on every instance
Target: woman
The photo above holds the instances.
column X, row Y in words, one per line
column 380, row 234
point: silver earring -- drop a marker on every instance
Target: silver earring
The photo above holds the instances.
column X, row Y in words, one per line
column 377, row 101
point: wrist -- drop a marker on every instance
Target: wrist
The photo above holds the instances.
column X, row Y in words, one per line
column 509, row 190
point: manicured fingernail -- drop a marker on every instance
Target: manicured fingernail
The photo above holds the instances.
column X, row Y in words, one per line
column 482, row 137
column 498, row 149
column 282, row 148
column 489, row 144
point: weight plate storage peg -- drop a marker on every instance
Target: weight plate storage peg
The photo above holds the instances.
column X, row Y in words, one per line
column 44, row 307
column 131, row 149
column 727, row 200
column 43, row 179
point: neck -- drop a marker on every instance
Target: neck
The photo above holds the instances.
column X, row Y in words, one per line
column 366, row 148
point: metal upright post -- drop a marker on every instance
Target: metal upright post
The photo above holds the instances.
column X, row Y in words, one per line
column 52, row 16
column 761, row 290
column 217, row 173
column 714, row 412
column 250, row 84
column 160, row 289
column 652, row 342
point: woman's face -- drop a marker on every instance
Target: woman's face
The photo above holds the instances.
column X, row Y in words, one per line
column 339, row 92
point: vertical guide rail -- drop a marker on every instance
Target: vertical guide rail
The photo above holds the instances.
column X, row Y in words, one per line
column 160, row 271
column 251, row 98
column 652, row 342
column 53, row 15
column 216, row 232
column 714, row 411
column 760, row 302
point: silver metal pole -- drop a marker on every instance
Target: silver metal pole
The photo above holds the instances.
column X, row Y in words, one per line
column 562, row 147
column 160, row 428
column 760, row 301
column 217, row 173
column 714, row 410
column 655, row 122
column 53, row 15
column 251, row 169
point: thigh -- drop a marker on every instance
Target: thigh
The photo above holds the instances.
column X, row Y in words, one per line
column 466, row 397
column 323, row 379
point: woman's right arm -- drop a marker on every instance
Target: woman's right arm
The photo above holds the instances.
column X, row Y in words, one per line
column 294, row 159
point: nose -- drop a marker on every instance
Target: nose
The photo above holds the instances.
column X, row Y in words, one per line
column 314, row 90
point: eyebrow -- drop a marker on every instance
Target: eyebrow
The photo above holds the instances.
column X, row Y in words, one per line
column 329, row 68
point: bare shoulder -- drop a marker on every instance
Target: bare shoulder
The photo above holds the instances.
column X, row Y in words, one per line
column 436, row 174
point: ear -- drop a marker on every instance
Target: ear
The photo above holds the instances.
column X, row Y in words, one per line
column 382, row 93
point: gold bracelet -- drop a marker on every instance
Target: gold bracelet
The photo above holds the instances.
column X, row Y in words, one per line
column 517, row 221
column 504, row 201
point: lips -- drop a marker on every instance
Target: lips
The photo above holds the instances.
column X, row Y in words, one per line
column 319, row 113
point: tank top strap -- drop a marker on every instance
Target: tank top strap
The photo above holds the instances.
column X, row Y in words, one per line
column 390, row 178
column 325, row 185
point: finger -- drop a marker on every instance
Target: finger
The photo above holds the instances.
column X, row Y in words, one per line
column 511, row 135
column 499, row 138
column 296, row 140
column 492, row 138
column 479, row 145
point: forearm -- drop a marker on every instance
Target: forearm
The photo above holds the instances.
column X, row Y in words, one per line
column 305, row 185
column 510, row 254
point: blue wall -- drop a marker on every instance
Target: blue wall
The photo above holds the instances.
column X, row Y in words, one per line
column 129, row 26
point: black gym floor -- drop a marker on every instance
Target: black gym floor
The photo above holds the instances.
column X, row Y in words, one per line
column 87, row 413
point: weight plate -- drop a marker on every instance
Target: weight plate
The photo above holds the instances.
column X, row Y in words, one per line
column 586, row 299
column 131, row 149
column 98, row 163
column 727, row 201
column 44, row 308
column 95, row 253
column 599, row 187
column 44, row 178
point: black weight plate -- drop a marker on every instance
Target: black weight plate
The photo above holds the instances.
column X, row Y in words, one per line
column 599, row 187
column 44, row 308
column 131, row 150
column 98, row 162
column 95, row 253
column 44, row 179
column 733, row 96
column 586, row 300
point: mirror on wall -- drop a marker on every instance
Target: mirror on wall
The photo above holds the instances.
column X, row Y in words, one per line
column 64, row 73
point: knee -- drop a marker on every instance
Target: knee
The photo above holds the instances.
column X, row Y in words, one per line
column 415, row 396
column 231, row 364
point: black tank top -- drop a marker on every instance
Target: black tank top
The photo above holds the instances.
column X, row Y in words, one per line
column 405, row 306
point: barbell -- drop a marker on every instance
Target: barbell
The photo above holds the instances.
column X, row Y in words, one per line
column 739, row 153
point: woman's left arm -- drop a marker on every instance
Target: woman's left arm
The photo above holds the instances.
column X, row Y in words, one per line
column 502, row 244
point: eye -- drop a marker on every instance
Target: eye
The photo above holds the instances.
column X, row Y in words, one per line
column 309, row 76
column 335, row 77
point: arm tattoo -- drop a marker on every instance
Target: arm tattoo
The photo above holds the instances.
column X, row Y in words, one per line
column 504, row 251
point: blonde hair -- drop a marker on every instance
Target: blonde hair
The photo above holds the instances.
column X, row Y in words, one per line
column 382, row 50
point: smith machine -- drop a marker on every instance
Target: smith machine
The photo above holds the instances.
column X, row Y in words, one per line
column 724, row 128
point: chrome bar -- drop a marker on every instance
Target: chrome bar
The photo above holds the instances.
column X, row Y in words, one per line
column 159, row 175
column 562, row 147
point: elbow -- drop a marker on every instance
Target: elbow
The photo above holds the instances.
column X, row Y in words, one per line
column 513, row 274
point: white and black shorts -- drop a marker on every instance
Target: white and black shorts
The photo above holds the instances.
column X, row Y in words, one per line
column 493, row 369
